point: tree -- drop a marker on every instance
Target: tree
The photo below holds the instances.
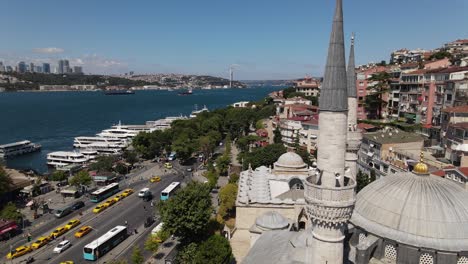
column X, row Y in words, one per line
column 186, row 215
column 58, row 176
column 222, row 163
column 243, row 143
column 374, row 101
column 277, row 138
column 183, row 146
column 440, row 55
column 207, row 145
column 234, row 178
column 227, row 197
column 103, row 163
column 121, row 168
column 5, row 181
column 215, row 250
column 10, row 212
column 153, row 241
column 81, row 178
column 187, row 253
column 137, row 257
column 130, row 157
column 262, row 156
column 362, row 180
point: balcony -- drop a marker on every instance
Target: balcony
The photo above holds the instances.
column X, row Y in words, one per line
column 330, row 205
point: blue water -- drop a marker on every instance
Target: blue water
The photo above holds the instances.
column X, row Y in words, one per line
column 54, row 119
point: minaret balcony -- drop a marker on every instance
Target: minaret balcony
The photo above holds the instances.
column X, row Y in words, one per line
column 330, row 205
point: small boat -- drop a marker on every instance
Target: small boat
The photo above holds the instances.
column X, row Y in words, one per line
column 188, row 92
column 119, row 92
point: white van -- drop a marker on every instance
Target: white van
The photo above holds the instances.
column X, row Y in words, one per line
column 144, row 192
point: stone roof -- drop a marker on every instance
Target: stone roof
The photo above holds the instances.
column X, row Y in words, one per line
column 333, row 95
column 272, row 220
column 418, row 210
column 293, row 194
column 392, row 136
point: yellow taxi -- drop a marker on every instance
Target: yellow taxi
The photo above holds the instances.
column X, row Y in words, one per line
column 41, row 241
column 155, row 179
column 110, row 202
column 99, row 208
column 18, row 252
column 67, row 262
column 83, row 231
column 72, row 223
column 127, row 192
column 58, row 232
column 168, row 165
column 118, row 197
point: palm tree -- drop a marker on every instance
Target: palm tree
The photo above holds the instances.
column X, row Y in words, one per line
column 374, row 101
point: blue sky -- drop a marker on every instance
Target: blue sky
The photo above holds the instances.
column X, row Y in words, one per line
column 266, row 39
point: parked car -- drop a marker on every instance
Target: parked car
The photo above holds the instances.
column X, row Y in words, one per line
column 41, row 241
column 18, row 252
column 84, row 230
column 78, row 205
column 72, row 223
column 62, row 246
column 58, row 232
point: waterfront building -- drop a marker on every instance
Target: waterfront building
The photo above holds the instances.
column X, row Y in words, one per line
column 21, row 67
column 60, row 67
column 46, row 68
column 66, row 67
column 31, row 67
column 308, row 86
column 9, row 68
column 54, row 88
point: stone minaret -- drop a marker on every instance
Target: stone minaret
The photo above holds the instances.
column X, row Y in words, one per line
column 329, row 194
column 354, row 136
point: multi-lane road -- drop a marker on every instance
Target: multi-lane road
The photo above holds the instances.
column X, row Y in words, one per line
column 131, row 209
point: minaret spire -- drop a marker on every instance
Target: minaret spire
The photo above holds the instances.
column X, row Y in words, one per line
column 354, row 136
column 333, row 96
column 351, row 73
column 330, row 194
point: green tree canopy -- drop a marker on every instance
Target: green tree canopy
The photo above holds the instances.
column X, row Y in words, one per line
column 137, row 257
column 103, row 164
column 262, row 156
column 374, row 100
column 186, row 214
column 130, row 157
column 10, row 212
column 5, row 181
column 227, row 198
column 81, row 178
column 215, row 250
column 277, row 137
column 58, row 176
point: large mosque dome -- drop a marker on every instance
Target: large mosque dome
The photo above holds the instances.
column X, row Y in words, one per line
column 415, row 209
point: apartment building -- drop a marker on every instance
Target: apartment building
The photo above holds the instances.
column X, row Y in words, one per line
column 308, row 86
column 362, row 86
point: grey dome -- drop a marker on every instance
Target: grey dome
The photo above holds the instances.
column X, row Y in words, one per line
column 272, row 220
column 290, row 160
column 417, row 210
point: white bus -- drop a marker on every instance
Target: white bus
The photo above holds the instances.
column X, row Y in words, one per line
column 169, row 191
column 104, row 192
column 105, row 243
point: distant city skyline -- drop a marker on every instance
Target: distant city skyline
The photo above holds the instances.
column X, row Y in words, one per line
column 266, row 39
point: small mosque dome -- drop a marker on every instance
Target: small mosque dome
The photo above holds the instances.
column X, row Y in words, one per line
column 290, row 160
column 272, row 220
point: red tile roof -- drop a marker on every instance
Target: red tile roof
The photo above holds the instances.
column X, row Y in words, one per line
column 365, row 126
column 456, row 109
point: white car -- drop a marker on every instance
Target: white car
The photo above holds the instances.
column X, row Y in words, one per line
column 62, row 246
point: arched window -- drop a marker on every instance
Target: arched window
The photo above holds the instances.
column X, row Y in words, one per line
column 390, row 252
column 426, row 258
column 296, row 184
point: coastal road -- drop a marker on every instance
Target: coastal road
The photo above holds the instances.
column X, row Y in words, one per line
column 48, row 222
column 129, row 209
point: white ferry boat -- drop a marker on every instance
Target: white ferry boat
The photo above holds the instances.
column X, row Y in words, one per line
column 165, row 123
column 196, row 111
column 63, row 158
column 84, row 142
column 120, row 133
column 89, row 154
column 104, row 148
column 18, row 148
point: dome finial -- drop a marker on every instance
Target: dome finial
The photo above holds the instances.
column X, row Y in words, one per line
column 421, row 167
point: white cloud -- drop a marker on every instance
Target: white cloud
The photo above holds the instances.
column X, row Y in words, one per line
column 50, row 50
